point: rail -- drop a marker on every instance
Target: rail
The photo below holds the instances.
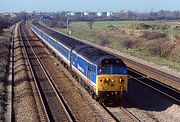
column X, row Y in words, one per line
column 60, row 98
column 33, row 75
column 125, row 111
column 162, row 88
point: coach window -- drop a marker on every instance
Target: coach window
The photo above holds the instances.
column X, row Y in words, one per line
column 94, row 69
column 89, row 68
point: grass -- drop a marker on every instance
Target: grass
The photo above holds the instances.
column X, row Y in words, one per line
column 115, row 37
column 169, row 32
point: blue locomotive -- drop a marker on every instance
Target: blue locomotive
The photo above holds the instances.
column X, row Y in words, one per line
column 103, row 74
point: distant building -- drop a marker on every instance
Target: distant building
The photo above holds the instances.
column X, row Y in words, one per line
column 78, row 14
column 86, row 13
column 12, row 14
column 74, row 14
column 109, row 14
column 99, row 14
column 9, row 14
column 92, row 13
column 70, row 13
column 125, row 11
column 103, row 14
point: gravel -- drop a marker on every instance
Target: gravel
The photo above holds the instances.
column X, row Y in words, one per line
column 24, row 105
column 152, row 104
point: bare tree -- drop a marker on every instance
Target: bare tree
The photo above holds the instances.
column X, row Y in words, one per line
column 90, row 24
column 3, row 23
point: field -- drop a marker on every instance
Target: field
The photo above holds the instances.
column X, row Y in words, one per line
column 154, row 41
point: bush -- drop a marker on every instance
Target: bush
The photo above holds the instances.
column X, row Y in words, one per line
column 128, row 43
column 161, row 47
column 153, row 35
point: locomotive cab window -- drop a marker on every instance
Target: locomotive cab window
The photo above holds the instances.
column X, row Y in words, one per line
column 113, row 70
column 112, row 66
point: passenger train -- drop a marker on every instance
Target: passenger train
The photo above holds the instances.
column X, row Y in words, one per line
column 103, row 74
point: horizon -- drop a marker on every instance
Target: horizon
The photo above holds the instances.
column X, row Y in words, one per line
column 87, row 11
column 85, row 5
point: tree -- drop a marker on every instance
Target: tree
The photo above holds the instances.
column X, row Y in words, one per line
column 90, row 24
column 22, row 16
column 3, row 23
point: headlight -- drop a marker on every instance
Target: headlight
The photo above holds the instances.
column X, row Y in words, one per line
column 121, row 80
column 107, row 79
column 112, row 80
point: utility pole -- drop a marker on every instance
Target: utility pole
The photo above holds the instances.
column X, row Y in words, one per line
column 67, row 22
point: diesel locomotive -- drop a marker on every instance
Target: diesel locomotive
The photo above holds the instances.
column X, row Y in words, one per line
column 103, row 74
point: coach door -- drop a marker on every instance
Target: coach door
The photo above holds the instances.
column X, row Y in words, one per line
column 70, row 57
column 89, row 70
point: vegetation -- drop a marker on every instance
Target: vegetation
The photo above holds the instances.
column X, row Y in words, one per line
column 90, row 24
column 156, row 41
column 4, row 54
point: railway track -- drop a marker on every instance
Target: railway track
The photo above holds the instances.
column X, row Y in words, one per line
column 113, row 111
column 156, row 85
column 55, row 107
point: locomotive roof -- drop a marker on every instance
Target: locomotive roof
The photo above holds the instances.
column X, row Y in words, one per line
column 95, row 55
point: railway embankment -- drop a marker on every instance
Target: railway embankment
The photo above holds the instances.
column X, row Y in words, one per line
column 4, row 65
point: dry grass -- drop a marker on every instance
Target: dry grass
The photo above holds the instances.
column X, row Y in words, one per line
column 135, row 38
column 153, row 35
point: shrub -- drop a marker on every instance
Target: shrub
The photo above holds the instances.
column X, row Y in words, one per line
column 161, row 47
column 128, row 43
column 153, row 35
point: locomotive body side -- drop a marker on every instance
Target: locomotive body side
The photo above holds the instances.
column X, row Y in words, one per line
column 85, row 69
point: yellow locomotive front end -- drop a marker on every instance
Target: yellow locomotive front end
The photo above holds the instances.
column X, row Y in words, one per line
column 113, row 86
column 112, row 80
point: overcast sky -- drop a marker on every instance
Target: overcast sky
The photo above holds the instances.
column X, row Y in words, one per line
column 87, row 5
